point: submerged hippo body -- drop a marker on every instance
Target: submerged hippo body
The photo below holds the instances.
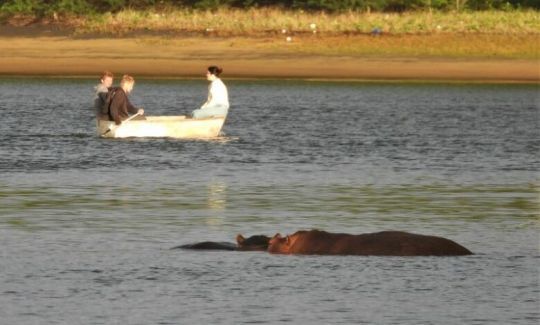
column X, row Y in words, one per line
column 253, row 243
column 210, row 245
column 385, row 243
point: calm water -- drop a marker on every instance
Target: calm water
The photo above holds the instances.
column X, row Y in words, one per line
column 86, row 223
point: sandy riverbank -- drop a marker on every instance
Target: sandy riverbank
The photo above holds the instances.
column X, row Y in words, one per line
column 148, row 56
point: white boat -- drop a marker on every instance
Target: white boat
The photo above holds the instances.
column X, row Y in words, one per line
column 162, row 127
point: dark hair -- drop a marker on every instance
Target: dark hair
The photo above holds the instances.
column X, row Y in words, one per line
column 215, row 70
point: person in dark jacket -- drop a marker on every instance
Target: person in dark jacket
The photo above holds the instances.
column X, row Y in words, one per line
column 102, row 88
column 120, row 105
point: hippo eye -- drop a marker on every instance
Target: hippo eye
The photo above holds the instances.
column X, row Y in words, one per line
column 287, row 240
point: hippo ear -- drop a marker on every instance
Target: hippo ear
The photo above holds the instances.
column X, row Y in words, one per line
column 277, row 236
column 240, row 239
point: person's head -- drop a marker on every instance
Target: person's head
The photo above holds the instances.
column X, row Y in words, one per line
column 213, row 72
column 107, row 78
column 127, row 83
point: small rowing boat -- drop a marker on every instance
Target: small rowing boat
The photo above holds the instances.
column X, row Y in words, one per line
column 162, row 127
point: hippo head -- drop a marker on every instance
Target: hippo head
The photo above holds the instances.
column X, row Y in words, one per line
column 280, row 245
column 253, row 243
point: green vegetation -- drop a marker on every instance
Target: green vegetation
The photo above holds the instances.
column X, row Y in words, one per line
column 255, row 17
column 257, row 22
column 427, row 28
column 84, row 7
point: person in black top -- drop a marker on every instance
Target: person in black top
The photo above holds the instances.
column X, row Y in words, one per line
column 102, row 88
column 120, row 106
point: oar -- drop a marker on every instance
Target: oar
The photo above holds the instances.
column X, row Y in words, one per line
column 126, row 120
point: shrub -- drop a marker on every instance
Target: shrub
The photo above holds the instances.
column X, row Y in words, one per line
column 22, row 6
column 72, row 6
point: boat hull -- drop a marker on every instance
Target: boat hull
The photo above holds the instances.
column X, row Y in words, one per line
column 162, row 127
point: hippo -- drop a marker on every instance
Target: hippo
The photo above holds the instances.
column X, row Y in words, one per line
column 384, row 243
column 209, row 245
column 253, row 243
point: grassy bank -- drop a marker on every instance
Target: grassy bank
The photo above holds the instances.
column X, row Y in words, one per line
column 490, row 46
column 480, row 34
column 263, row 22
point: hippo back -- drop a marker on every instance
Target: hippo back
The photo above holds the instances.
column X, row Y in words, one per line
column 385, row 243
column 399, row 243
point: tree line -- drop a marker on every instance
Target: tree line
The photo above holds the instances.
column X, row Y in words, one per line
column 100, row 6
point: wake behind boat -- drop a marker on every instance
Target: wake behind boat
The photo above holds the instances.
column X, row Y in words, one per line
column 162, row 127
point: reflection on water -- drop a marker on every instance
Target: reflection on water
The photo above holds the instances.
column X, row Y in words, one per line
column 217, row 198
column 286, row 206
column 86, row 223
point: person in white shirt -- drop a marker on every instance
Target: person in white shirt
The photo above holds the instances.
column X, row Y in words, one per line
column 217, row 104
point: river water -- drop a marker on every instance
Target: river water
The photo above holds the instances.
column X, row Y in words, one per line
column 86, row 224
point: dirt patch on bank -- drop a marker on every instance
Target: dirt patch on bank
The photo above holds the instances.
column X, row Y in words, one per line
column 242, row 58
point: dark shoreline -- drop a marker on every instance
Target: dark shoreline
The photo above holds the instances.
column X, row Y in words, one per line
column 291, row 79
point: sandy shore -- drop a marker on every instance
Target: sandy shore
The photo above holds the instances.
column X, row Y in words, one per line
column 241, row 58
